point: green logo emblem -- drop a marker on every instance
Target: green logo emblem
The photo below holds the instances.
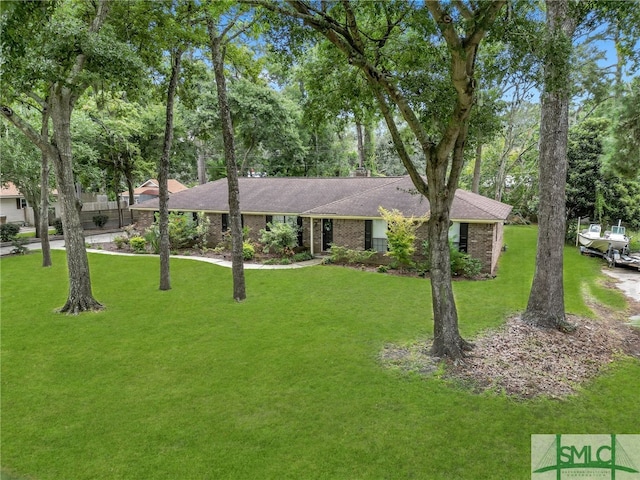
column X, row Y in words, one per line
column 585, row 457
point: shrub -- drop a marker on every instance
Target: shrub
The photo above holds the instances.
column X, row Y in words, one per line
column 248, row 252
column 382, row 268
column 202, row 230
column 183, row 230
column 634, row 243
column 57, row 224
column 152, row 236
column 461, row 263
column 422, row 268
column 457, row 260
column 572, row 232
column 138, row 244
column 464, row 264
column 281, row 238
column 401, row 236
column 472, row 267
column 120, row 241
column 302, row 256
column 100, row 220
column 9, row 231
column 339, row 254
column 18, row 245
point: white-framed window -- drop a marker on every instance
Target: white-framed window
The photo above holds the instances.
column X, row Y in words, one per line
column 379, row 235
column 454, row 234
column 458, row 235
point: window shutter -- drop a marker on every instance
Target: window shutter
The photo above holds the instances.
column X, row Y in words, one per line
column 225, row 222
column 300, row 231
column 368, row 232
column 464, row 237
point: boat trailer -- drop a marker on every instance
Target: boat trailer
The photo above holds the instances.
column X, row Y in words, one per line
column 614, row 258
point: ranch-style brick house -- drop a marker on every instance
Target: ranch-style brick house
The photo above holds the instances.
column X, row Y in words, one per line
column 340, row 210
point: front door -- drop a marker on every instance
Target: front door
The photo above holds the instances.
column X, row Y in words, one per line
column 327, row 233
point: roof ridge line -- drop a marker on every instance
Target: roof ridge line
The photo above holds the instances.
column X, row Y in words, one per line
column 392, row 180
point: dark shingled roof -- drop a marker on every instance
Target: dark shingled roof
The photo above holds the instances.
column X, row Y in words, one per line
column 334, row 197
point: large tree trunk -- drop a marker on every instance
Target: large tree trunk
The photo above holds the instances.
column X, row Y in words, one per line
column 447, row 341
column 361, row 155
column 202, row 162
column 546, row 300
column 163, row 174
column 132, row 199
column 80, row 295
column 235, row 219
column 44, row 206
column 370, row 147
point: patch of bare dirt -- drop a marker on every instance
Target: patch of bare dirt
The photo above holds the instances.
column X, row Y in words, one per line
column 524, row 361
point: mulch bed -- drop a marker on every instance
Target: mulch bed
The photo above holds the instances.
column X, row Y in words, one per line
column 525, row 361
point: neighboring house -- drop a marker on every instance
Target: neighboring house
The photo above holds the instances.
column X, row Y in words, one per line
column 342, row 211
column 13, row 206
column 151, row 189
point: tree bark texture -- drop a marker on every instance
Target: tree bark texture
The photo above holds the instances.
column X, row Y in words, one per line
column 202, row 162
column 130, row 188
column 361, row 155
column 235, row 219
column 44, row 194
column 545, row 307
column 163, row 173
column 80, row 295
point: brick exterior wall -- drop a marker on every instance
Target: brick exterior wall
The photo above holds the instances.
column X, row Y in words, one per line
column 485, row 244
column 255, row 223
column 498, row 243
column 349, row 233
column 485, row 241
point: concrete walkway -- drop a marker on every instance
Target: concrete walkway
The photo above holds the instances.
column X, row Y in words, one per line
column 94, row 241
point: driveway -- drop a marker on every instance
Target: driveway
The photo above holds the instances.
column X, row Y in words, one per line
column 628, row 281
column 6, row 248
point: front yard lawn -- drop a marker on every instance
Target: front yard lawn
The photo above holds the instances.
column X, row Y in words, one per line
column 187, row 384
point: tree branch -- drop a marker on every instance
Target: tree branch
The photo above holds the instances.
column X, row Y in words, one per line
column 102, row 10
column 486, row 18
column 464, row 11
column 445, row 25
column 26, row 128
column 417, row 179
column 352, row 26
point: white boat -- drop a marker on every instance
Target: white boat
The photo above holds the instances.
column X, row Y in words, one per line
column 594, row 239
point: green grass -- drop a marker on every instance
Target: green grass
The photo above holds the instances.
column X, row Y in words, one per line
column 52, row 231
column 187, row 384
